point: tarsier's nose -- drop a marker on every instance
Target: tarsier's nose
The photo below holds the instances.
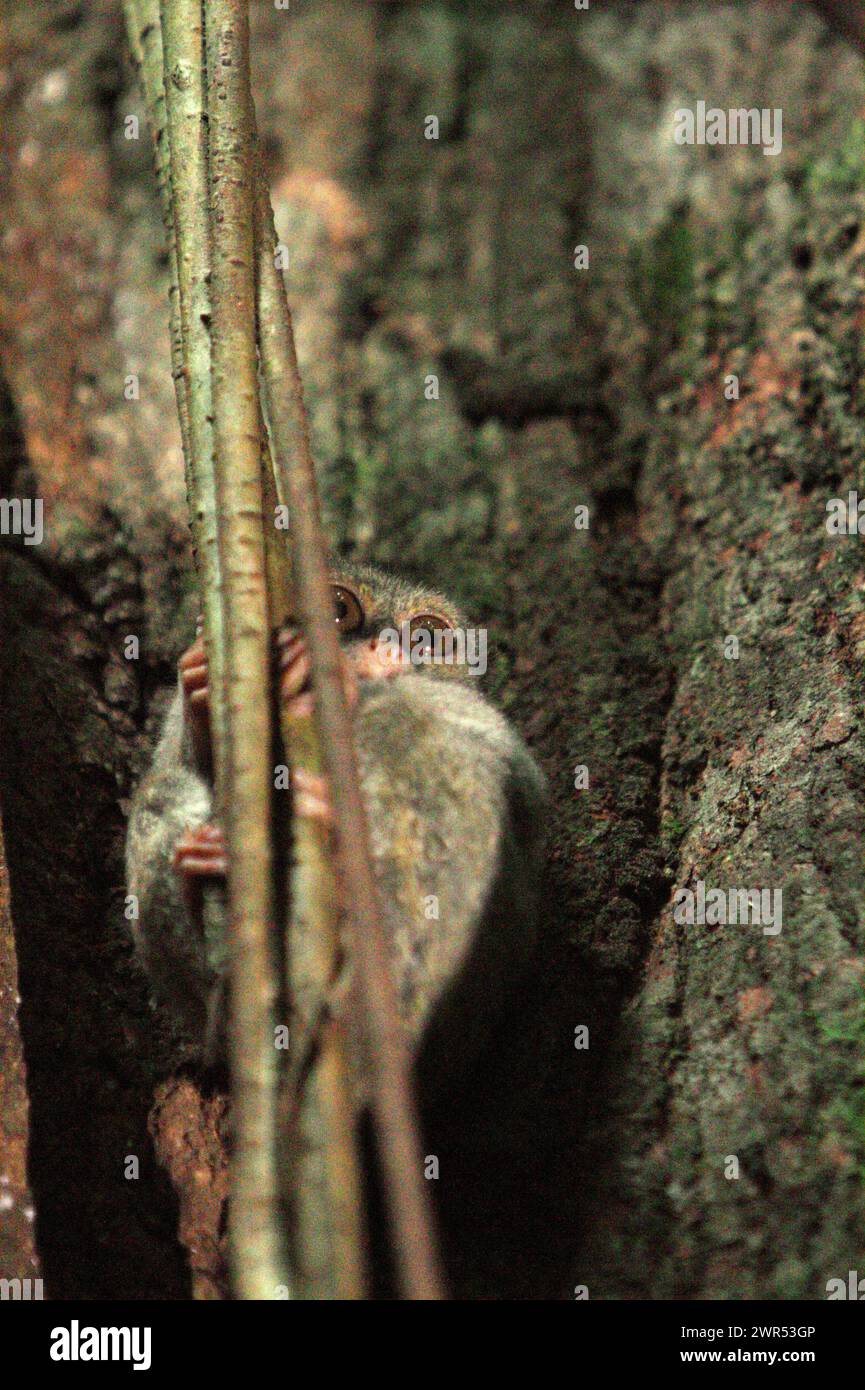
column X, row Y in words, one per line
column 374, row 660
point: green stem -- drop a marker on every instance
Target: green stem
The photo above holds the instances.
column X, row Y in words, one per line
column 394, row 1107
column 246, row 783
column 145, row 43
column 322, row 1179
column 184, row 72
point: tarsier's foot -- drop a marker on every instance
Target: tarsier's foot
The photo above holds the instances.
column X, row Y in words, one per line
column 200, row 853
column 295, row 669
column 196, row 699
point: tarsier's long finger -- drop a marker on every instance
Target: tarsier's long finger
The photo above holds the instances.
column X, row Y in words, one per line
column 296, row 671
column 195, row 686
column 194, row 656
column 295, row 668
column 202, row 865
column 201, row 851
column 194, row 682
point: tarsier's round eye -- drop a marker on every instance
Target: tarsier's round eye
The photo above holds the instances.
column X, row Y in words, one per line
column 431, row 623
column 348, row 608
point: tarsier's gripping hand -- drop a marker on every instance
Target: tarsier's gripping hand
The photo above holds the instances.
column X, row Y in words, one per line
column 454, row 803
column 310, row 794
column 192, row 669
column 201, row 852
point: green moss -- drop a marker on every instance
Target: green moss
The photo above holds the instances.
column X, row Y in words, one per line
column 844, row 1028
column 664, row 275
column 672, row 833
column 844, row 169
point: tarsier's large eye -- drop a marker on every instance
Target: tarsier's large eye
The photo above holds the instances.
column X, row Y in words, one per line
column 348, row 608
column 429, row 623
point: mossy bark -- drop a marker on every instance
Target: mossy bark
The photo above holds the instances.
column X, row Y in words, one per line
column 557, row 387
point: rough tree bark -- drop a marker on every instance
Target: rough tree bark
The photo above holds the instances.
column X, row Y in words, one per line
column 558, row 387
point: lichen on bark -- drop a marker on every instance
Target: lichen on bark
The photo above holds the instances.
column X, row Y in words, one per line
column 557, row 388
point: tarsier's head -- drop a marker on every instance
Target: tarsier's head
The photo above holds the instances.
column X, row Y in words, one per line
column 391, row 628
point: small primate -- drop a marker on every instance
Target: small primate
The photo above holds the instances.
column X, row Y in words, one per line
column 454, row 801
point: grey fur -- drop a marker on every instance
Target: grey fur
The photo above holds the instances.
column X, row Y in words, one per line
column 455, row 806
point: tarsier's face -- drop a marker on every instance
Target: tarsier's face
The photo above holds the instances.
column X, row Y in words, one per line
column 390, row 628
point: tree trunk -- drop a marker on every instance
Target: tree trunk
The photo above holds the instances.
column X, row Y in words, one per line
column 609, row 387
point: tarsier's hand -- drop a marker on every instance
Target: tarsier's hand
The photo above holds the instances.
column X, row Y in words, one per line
column 196, row 699
column 311, row 794
column 200, row 853
column 295, row 671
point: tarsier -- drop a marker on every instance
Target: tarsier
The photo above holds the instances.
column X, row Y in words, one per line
column 454, row 802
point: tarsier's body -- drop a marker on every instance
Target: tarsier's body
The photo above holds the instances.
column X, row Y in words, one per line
column 454, row 804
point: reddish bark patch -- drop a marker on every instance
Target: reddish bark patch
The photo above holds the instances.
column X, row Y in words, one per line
column 188, row 1132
